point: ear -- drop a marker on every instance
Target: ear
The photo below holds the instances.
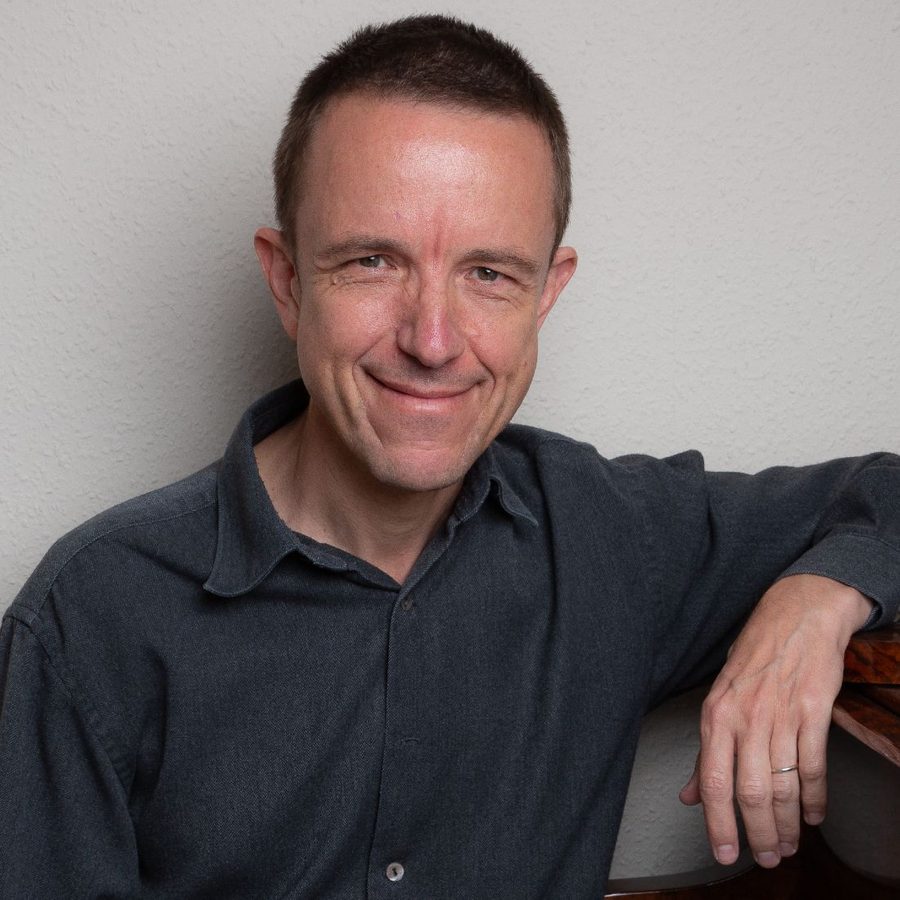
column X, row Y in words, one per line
column 562, row 268
column 278, row 269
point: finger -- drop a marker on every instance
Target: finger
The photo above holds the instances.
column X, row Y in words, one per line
column 689, row 795
column 753, row 787
column 716, row 789
column 812, row 743
column 785, row 790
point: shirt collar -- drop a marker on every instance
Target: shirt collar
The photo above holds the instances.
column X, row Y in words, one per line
column 252, row 538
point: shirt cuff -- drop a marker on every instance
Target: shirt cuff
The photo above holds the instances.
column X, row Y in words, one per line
column 866, row 563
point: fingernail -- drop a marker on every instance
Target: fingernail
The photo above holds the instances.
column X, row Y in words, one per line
column 786, row 849
column 814, row 818
column 768, row 859
column 726, row 854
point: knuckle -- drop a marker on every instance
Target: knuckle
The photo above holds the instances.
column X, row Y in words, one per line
column 718, row 719
column 714, row 786
column 710, row 702
column 715, row 710
column 783, row 794
column 753, row 795
column 813, row 769
column 815, row 707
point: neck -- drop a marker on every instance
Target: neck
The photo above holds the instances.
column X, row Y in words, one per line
column 318, row 491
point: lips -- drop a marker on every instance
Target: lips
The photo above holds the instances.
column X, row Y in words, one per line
column 419, row 391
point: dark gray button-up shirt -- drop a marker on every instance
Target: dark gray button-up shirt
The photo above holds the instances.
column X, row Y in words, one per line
column 198, row 702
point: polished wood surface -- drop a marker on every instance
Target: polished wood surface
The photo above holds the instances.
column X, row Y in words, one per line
column 874, row 657
column 877, row 726
column 868, row 706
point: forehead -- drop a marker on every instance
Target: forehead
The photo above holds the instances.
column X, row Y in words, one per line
column 427, row 163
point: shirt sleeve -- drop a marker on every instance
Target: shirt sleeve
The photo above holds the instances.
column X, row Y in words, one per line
column 717, row 541
column 65, row 829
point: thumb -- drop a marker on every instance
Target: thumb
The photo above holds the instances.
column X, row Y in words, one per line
column 689, row 795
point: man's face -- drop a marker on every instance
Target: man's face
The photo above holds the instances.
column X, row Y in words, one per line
column 422, row 273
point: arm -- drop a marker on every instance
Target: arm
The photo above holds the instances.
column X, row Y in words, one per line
column 770, row 707
column 65, row 829
column 720, row 541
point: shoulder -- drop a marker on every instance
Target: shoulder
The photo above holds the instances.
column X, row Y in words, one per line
column 576, row 483
column 112, row 543
column 521, row 444
column 527, row 446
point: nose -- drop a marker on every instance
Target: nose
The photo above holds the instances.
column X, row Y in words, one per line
column 430, row 330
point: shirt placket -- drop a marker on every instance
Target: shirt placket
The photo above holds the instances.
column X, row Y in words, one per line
column 393, row 870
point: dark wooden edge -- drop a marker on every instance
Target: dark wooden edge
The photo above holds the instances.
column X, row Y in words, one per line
column 888, row 695
column 868, row 721
column 874, row 657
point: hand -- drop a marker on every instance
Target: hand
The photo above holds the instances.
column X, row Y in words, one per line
column 770, row 707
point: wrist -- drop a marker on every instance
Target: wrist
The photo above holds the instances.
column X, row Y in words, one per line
column 848, row 608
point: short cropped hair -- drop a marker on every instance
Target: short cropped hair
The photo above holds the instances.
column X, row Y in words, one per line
column 422, row 58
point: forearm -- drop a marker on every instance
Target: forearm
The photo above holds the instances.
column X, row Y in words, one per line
column 725, row 538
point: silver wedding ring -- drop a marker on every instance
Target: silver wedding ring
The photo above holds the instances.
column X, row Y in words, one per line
column 792, row 768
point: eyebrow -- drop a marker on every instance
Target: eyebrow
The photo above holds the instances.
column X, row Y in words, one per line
column 360, row 245
column 528, row 268
column 370, row 244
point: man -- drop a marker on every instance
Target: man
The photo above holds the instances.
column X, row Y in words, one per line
column 389, row 646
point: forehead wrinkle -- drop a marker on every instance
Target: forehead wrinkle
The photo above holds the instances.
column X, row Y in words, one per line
column 424, row 180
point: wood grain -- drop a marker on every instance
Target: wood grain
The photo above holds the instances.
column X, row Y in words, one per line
column 874, row 657
column 870, row 722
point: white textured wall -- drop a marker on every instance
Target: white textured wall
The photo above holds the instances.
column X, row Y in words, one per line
column 737, row 183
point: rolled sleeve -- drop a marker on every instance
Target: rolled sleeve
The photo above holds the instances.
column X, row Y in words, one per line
column 866, row 563
column 718, row 540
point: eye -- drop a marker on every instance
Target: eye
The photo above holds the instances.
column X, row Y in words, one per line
column 371, row 262
column 489, row 276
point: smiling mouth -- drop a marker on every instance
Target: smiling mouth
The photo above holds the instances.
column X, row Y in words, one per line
column 422, row 391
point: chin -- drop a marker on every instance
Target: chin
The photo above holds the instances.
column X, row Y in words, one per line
column 412, row 472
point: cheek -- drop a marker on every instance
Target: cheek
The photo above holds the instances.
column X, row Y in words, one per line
column 509, row 350
column 521, row 376
column 339, row 328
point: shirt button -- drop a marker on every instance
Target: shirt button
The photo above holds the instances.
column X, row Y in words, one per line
column 394, row 871
column 407, row 604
